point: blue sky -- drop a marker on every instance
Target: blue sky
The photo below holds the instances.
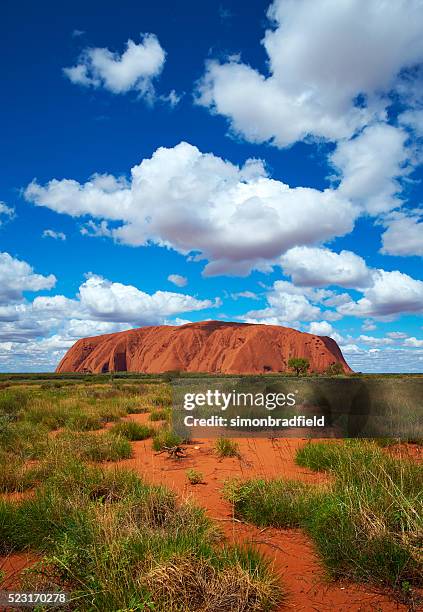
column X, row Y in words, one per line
column 276, row 172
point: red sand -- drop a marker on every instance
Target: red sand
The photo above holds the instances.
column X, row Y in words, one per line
column 209, row 346
column 12, row 566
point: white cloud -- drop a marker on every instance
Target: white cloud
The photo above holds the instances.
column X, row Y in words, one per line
column 322, row 55
column 404, row 234
column 197, row 202
column 318, row 267
column 17, row 276
column 374, row 341
column 96, row 230
column 49, row 233
column 178, row 280
column 390, row 294
column 134, row 69
column 413, row 342
column 389, row 359
column 413, row 119
column 395, row 335
column 370, row 165
column 287, row 304
column 320, row 328
column 108, row 301
column 249, row 295
column 6, row 211
column 351, row 349
column 368, row 325
column 172, row 98
column 76, row 328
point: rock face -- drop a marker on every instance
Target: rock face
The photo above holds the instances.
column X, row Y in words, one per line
column 209, row 346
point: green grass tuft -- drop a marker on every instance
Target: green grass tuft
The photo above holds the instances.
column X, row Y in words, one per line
column 132, row 431
column 226, row 448
column 165, row 437
column 159, row 414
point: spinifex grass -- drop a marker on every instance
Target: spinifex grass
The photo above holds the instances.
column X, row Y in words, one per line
column 194, row 476
column 132, row 431
column 165, row 438
column 108, row 538
column 117, row 544
column 159, row 414
column 91, row 446
column 225, row 447
column 367, row 524
column 16, row 474
column 282, row 503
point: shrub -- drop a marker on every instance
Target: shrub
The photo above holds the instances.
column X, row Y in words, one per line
column 366, row 523
column 226, row 448
column 166, row 438
column 335, row 369
column 82, row 421
column 18, row 475
column 299, row 365
column 194, row 477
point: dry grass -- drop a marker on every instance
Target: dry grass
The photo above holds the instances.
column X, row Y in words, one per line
column 188, row 583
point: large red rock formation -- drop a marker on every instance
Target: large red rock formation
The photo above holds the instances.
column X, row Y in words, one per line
column 209, row 346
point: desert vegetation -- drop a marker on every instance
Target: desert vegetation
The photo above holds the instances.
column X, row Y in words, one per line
column 70, row 496
column 366, row 522
column 100, row 532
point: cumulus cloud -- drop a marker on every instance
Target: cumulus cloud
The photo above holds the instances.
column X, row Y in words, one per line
column 396, row 335
column 286, row 304
column 105, row 300
column 17, row 276
column 412, row 341
column 320, row 328
column 49, row 233
column 197, row 202
column 330, row 65
column 404, row 234
column 390, row 294
column 133, row 70
column 318, row 267
column 368, row 325
column 370, row 165
column 178, row 280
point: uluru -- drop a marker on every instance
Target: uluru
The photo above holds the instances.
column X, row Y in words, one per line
column 207, row 346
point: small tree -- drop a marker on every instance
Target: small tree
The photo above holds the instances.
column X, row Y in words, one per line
column 300, row 365
column 335, row 369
